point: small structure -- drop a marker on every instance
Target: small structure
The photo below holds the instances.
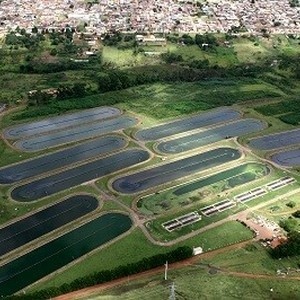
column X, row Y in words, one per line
column 150, row 40
column 197, row 250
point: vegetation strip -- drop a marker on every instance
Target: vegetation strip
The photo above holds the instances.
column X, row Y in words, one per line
column 78, row 175
column 36, row 225
column 193, row 122
column 203, row 138
column 63, row 158
column 61, row 122
column 75, row 134
column 165, row 173
column 44, row 260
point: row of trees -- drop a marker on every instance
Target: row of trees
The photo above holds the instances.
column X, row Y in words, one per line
column 42, row 66
column 108, row 275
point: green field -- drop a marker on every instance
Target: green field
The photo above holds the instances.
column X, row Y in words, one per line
column 211, row 279
column 287, row 111
column 194, row 282
column 255, row 75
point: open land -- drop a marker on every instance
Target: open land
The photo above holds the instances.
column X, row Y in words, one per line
column 185, row 197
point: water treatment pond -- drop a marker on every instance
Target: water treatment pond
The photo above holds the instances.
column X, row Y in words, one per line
column 48, row 258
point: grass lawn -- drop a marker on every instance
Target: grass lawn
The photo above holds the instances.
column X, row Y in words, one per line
column 253, row 259
column 196, row 283
column 202, row 280
column 122, row 251
column 126, row 58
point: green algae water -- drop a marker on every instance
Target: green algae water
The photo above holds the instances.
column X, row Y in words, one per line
column 46, row 259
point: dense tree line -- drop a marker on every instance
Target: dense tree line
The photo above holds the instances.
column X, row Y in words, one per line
column 108, row 275
column 23, row 39
column 112, row 80
column 60, row 65
column 63, row 92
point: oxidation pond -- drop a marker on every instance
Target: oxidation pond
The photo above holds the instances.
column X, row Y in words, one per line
column 74, row 134
column 203, row 138
column 189, row 123
column 277, row 140
column 78, row 175
column 61, row 122
column 287, row 158
column 232, row 177
column 51, row 218
column 61, row 159
column 56, row 254
column 168, row 172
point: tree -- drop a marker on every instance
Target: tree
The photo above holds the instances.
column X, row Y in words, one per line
column 291, row 204
column 288, row 224
column 187, row 39
column 290, row 248
column 296, row 214
column 34, row 30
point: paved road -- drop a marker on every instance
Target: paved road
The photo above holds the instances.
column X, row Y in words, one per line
column 61, row 122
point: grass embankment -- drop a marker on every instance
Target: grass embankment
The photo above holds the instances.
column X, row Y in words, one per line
column 204, row 280
column 196, row 282
column 122, row 252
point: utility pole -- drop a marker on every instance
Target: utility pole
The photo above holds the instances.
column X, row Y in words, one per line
column 166, row 270
column 172, row 291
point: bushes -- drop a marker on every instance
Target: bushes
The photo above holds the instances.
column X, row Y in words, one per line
column 108, row 275
column 290, row 248
column 296, row 214
column 288, row 224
